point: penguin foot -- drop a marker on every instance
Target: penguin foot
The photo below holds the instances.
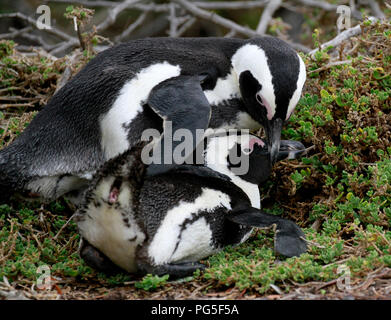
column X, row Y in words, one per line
column 291, row 149
column 177, row 270
column 289, row 240
column 200, row 171
column 96, row 259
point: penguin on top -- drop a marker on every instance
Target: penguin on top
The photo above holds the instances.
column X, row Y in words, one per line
column 193, row 83
column 165, row 224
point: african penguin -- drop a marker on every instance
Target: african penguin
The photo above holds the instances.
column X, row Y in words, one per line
column 167, row 223
column 193, row 83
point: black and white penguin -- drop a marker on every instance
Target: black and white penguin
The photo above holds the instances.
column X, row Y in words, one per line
column 194, row 83
column 167, row 223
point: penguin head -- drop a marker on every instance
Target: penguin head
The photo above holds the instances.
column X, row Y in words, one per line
column 253, row 152
column 271, row 77
column 245, row 156
column 240, row 156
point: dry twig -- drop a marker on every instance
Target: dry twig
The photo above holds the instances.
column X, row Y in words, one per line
column 267, row 15
column 345, row 35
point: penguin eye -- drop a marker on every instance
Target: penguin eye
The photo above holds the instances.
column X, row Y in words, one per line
column 247, row 151
column 259, row 99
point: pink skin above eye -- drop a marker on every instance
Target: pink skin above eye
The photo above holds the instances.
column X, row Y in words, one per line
column 253, row 142
column 113, row 196
column 267, row 106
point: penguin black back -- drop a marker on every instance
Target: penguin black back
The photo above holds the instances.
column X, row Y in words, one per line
column 102, row 111
column 177, row 218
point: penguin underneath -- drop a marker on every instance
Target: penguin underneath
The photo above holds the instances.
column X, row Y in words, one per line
column 187, row 83
column 165, row 224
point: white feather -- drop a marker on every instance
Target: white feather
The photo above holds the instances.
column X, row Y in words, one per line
column 128, row 104
column 300, row 83
column 162, row 248
column 106, row 229
column 248, row 56
column 216, row 154
column 195, row 243
column 56, row 186
column 225, row 89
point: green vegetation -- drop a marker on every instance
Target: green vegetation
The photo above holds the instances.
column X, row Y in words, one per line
column 32, row 235
column 151, row 282
column 340, row 193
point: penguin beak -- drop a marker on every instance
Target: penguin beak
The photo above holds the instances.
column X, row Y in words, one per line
column 273, row 136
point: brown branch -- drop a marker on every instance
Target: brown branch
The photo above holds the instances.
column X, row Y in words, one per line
column 188, row 24
column 15, row 105
column 234, row 5
column 24, row 33
column 345, row 35
column 227, row 5
column 230, row 34
column 63, row 46
column 32, row 21
column 330, row 65
column 68, row 42
column 375, row 8
column 34, row 51
column 132, row 27
column 114, row 12
column 15, row 33
column 17, row 98
column 109, row 4
column 215, row 18
column 267, row 15
column 178, row 25
column 174, row 21
column 318, row 4
column 87, row 3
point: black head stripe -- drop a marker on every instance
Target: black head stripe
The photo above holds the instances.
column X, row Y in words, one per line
column 284, row 66
column 249, row 87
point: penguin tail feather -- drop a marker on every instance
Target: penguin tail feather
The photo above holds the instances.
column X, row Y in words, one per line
column 7, row 180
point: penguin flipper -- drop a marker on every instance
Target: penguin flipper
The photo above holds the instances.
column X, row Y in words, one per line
column 182, row 104
column 177, row 270
column 289, row 238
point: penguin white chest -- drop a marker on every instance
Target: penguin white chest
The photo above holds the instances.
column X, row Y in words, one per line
column 129, row 102
column 185, row 235
column 112, row 229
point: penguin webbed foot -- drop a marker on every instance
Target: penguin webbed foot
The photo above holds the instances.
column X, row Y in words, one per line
column 289, row 239
column 175, row 271
column 291, row 149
